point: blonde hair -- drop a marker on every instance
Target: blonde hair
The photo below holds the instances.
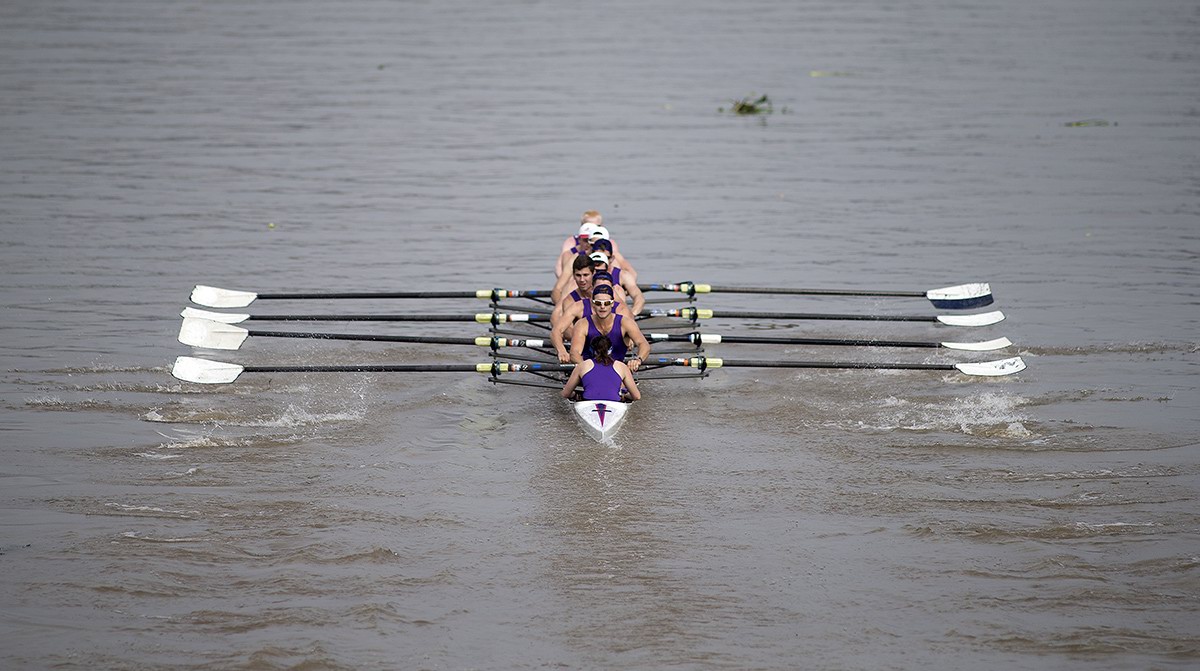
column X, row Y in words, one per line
column 591, row 217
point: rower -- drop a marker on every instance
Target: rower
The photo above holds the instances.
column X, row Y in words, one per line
column 621, row 332
column 602, row 377
column 578, row 304
column 591, row 220
column 588, row 234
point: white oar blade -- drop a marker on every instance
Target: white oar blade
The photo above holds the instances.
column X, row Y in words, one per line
column 961, row 292
column 993, row 368
column 210, row 334
column 203, row 371
column 984, row 319
column 986, row 346
column 215, row 297
column 223, row 317
column 961, row 297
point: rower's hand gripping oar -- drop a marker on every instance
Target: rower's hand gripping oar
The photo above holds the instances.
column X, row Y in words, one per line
column 218, row 335
column 697, row 338
column 216, row 297
column 205, row 371
column 984, row 368
column 960, row 297
column 694, row 314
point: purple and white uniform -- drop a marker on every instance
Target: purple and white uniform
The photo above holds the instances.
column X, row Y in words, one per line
column 601, row 383
column 619, row 348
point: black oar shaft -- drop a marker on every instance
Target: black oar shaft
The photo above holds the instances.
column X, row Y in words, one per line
column 694, row 313
column 495, row 295
column 489, row 341
column 410, row 368
column 815, row 292
column 727, row 363
column 496, row 319
column 695, row 338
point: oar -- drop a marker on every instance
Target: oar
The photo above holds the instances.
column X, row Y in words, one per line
column 985, row 368
column 698, row 339
column 217, row 335
column 960, row 297
column 492, row 318
column 216, row 297
column 205, row 371
column 694, row 314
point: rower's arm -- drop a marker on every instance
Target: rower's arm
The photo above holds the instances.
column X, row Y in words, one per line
column 634, row 333
column 560, row 321
column 562, row 286
column 578, row 336
column 629, row 284
column 572, row 382
column 624, row 264
column 631, row 387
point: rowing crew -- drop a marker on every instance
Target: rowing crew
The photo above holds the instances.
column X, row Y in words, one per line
column 595, row 316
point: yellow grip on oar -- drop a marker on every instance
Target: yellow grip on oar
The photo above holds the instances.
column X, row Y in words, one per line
column 702, row 288
column 703, row 314
column 484, row 341
column 495, row 367
column 488, row 317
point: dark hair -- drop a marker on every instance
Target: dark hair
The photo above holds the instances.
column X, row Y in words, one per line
column 582, row 262
column 601, row 350
column 602, row 275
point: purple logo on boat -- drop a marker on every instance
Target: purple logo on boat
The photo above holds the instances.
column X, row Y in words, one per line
column 601, row 410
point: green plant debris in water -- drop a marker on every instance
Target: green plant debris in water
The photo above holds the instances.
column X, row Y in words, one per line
column 1089, row 122
column 751, row 105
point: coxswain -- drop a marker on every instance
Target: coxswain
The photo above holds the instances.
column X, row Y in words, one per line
column 604, row 320
column 602, row 377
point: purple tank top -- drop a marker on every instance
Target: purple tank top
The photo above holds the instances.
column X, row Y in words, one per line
column 619, row 348
column 601, row 383
column 587, row 304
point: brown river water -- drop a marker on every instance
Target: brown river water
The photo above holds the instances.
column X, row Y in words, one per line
column 755, row 519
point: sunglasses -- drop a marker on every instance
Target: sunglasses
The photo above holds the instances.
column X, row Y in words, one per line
column 601, row 304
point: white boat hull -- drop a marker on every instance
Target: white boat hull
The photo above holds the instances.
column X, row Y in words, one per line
column 600, row 419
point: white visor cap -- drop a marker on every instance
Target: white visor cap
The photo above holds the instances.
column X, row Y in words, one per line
column 599, row 233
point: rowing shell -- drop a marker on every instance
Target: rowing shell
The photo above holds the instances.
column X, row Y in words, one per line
column 600, row 419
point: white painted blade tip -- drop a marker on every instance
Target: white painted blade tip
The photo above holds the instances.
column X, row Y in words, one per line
column 993, row 368
column 204, row 371
column 985, row 346
column 215, row 297
column 984, row 319
column 211, row 335
column 223, row 317
column 960, row 292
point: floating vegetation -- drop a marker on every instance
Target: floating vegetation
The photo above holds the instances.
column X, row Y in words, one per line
column 1089, row 122
column 751, row 105
column 829, row 73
